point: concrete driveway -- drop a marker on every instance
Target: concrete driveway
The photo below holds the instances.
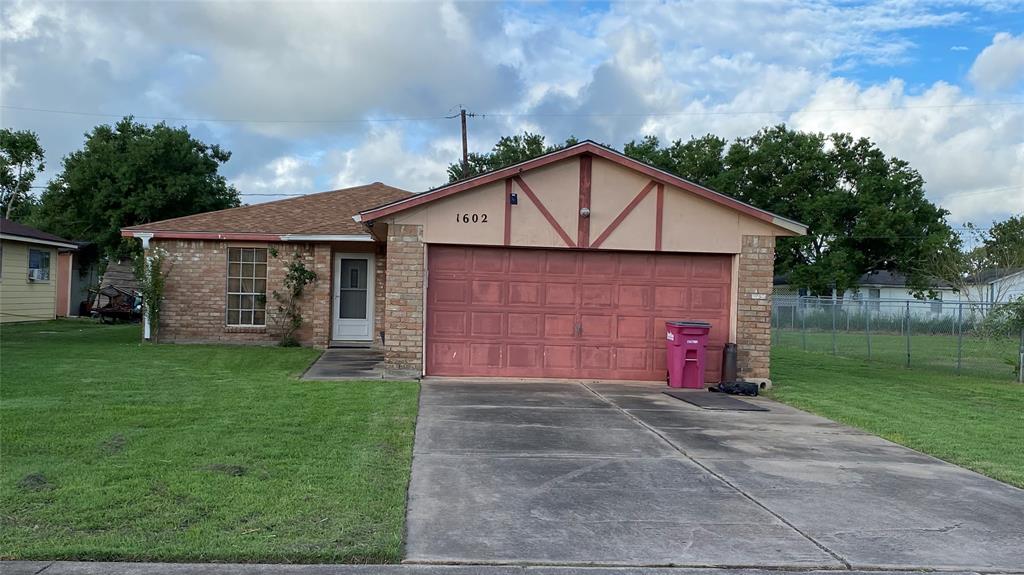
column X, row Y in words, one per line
column 619, row 474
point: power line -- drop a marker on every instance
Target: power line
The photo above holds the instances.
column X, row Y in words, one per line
column 516, row 114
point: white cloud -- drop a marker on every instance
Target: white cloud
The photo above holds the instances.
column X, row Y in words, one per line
column 285, row 175
column 382, row 155
column 1000, row 66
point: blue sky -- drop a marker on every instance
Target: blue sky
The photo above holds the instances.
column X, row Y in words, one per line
column 293, row 89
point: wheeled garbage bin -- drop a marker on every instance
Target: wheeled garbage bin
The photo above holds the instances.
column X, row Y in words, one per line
column 686, row 342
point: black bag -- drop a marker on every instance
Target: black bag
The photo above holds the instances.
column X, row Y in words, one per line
column 737, row 388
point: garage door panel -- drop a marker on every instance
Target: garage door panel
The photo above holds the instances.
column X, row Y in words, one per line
column 449, row 291
column 597, row 327
column 561, row 294
column 449, row 323
column 596, row 296
column 524, row 293
column 560, row 356
column 705, row 299
column 524, row 358
column 568, row 313
column 561, row 263
column 595, row 357
column 672, row 297
column 485, row 355
column 487, row 292
column 525, row 325
column 486, row 323
column 634, row 296
column 559, row 326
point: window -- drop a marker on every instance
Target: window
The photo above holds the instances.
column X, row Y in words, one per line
column 39, row 260
column 937, row 304
column 874, row 294
column 247, row 286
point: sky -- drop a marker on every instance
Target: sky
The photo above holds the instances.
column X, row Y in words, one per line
column 313, row 96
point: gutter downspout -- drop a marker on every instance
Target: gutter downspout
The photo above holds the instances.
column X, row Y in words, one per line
column 145, row 237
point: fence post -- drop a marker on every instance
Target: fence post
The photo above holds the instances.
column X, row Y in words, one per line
column 867, row 328
column 833, row 324
column 959, row 336
column 1020, row 364
column 907, row 315
column 803, row 322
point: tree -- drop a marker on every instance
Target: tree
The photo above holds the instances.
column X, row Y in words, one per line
column 508, row 151
column 865, row 211
column 21, row 159
column 130, row 174
column 996, row 250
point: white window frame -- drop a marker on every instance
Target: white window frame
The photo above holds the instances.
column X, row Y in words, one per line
column 49, row 264
column 258, row 296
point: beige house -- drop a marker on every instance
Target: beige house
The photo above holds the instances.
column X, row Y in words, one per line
column 30, row 283
column 566, row 265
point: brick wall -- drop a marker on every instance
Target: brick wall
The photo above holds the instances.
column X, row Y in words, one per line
column 754, row 306
column 403, row 323
column 195, row 293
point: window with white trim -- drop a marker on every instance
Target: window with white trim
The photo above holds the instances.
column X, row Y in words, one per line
column 39, row 260
column 247, row 286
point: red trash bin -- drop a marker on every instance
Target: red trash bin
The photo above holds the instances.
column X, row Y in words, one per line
column 686, row 342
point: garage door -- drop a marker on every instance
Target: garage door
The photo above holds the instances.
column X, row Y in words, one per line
column 507, row 312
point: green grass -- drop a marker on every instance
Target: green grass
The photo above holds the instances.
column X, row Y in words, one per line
column 115, row 450
column 995, row 358
column 972, row 421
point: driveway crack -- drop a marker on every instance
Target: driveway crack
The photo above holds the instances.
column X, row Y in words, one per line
column 721, row 478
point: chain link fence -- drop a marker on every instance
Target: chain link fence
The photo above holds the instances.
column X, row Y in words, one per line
column 959, row 337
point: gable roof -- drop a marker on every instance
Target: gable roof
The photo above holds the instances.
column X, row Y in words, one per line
column 20, row 232
column 585, row 147
column 324, row 216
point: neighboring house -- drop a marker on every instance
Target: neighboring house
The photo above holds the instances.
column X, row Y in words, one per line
column 30, row 282
column 999, row 285
column 566, row 265
column 886, row 291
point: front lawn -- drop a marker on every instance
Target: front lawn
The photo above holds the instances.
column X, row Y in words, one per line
column 112, row 449
column 972, row 421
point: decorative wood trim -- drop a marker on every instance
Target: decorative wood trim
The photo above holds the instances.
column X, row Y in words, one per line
column 508, row 211
column 625, row 212
column 543, row 210
column 659, row 217
column 588, row 148
column 583, row 230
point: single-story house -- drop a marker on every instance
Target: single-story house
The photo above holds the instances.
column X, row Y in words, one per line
column 566, row 265
column 31, row 282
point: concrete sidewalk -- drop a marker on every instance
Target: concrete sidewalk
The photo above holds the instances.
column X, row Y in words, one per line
column 88, row 568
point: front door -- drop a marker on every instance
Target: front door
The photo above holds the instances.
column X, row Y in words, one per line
column 353, row 297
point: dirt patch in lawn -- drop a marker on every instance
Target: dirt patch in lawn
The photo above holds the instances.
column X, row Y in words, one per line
column 226, row 469
column 36, row 482
column 115, row 444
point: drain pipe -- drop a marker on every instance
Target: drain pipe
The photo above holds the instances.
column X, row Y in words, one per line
column 145, row 237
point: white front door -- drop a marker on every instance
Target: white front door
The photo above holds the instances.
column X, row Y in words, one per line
column 353, row 297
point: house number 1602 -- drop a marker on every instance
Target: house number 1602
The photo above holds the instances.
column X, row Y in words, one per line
column 471, row 218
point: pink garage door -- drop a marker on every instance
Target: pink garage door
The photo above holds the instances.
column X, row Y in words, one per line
column 506, row 312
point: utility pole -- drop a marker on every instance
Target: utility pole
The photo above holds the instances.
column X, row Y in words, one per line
column 462, row 115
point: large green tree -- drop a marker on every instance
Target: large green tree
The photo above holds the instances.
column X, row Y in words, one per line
column 508, row 151
column 864, row 210
column 21, row 159
column 129, row 174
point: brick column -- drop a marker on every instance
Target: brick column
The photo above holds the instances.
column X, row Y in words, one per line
column 754, row 307
column 321, row 296
column 403, row 322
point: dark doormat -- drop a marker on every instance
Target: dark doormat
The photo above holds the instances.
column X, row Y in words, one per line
column 718, row 401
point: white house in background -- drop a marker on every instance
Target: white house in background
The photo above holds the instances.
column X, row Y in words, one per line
column 999, row 285
column 886, row 293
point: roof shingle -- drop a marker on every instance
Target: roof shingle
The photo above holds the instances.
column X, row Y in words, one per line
column 21, row 230
column 325, row 213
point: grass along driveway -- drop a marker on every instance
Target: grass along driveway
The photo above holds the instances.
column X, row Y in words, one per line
column 975, row 422
column 117, row 450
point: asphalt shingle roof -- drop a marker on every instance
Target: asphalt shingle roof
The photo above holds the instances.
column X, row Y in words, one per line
column 21, row 230
column 326, row 213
